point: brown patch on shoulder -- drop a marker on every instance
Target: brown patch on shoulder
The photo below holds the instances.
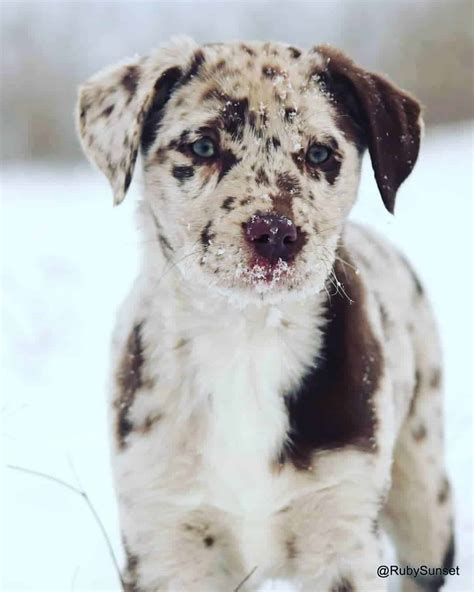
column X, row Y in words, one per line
column 343, row 585
column 131, row 78
column 129, row 380
column 334, row 406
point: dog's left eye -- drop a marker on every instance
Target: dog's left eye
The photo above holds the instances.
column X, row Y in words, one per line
column 204, row 147
column 317, row 154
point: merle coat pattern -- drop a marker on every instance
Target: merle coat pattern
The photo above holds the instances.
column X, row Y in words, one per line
column 275, row 390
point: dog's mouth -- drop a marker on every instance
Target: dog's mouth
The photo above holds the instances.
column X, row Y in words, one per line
column 260, row 271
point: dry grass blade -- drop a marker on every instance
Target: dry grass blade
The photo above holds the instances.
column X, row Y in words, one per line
column 89, row 504
column 247, row 577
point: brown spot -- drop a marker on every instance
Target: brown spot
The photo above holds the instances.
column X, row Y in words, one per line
column 443, row 493
column 417, row 387
column 220, row 65
column 107, row 111
column 261, row 177
column 228, row 203
column 272, row 144
column 247, row 49
column 333, row 408
column 160, row 156
column 331, row 169
column 290, row 545
column 435, row 378
column 209, row 541
column 386, row 322
column 131, row 78
column 373, row 112
column 207, row 236
column 182, row 172
column 419, row 433
column 299, row 158
column 129, row 380
column 226, row 161
column 272, row 71
column 210, row 93
column 233, row 116
column 290, row 114
column 294, row 52
column 163, row 90
column 288, row 183
column 131, row 571
column 150, row 422
column 343, row 585
column 194, row 67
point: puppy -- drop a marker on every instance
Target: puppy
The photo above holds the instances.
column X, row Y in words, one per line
column 276, row 380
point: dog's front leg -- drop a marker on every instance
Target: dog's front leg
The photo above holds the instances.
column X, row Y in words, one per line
column 349, row 564
column 334, row 534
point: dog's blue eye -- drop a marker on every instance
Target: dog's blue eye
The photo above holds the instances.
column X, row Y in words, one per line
column 317, row 154
column 205, row 148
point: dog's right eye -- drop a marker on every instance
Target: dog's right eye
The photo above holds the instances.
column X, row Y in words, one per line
column 204, row 147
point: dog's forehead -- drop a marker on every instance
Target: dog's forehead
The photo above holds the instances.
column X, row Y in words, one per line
column 277, row 78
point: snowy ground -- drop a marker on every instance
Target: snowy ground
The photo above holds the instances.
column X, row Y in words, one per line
column 68, row 260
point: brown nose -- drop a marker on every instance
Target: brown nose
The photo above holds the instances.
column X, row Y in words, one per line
column 273, row 237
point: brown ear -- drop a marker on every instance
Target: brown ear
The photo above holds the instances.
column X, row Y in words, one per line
column 388, row 118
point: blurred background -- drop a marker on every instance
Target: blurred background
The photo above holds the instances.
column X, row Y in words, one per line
column 49, row 47
column 68, row 258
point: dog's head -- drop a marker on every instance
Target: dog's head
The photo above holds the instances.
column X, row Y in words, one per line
column 251, row 154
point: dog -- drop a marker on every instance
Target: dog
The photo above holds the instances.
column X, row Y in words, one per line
column 276, row 374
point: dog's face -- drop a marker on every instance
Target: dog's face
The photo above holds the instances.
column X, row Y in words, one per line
column 251, row 155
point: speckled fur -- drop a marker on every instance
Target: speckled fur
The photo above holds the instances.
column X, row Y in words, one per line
column 210, row 358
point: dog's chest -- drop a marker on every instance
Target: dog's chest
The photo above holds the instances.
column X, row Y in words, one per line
column 238, row 371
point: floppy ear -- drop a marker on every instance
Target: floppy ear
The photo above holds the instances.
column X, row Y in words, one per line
column 389, row 119
column 113, row 105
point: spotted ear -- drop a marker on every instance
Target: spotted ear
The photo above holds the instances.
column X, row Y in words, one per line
column 113, row 105
column 388, row 118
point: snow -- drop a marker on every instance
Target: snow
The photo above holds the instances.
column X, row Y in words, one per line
column 69, row 258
